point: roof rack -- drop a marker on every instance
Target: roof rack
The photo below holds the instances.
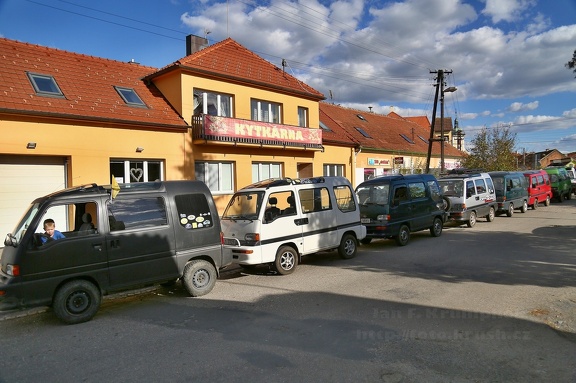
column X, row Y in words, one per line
column 465, row 171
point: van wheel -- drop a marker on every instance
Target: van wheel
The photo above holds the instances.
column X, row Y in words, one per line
column 403, row 236
column 286, row 260
column 547, row 202
column 491, row 214
column 348, row 247
column 436, row 228
column 569, row 196
column 524, row 207
column 535, row 206
column 199, row 277
column 366, row 241
column 472, row 220
column 76, row 301
column 510, row 211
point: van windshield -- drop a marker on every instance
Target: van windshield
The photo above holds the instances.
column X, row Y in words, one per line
column 373, row 194
column 18, row 233
column 244, row 205
column 452, row 188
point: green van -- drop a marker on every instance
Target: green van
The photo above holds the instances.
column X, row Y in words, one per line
column 561, row 185
column 511, row 192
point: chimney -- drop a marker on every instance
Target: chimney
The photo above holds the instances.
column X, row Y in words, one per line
column 195, row 43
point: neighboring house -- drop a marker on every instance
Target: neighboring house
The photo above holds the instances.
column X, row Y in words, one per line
column 69, row 119
column 539, row 160
column 387, row 144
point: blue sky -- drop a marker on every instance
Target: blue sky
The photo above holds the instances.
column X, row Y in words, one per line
column 506, row 56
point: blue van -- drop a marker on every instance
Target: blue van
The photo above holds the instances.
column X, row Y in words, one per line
column 511, row 192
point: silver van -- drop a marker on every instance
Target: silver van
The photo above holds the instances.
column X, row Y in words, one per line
column 470, row 194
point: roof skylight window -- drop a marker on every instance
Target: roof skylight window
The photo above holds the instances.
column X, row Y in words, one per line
column 44, row 85
column 323, row 126
column 363, row 132
column 129, row 96
column 423, row 139
column 361, row 117
column 406, row 138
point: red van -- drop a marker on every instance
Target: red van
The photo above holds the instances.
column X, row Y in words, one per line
column 539, row 189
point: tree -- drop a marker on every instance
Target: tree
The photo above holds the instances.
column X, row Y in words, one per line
column 493, row 149
column 572, row 63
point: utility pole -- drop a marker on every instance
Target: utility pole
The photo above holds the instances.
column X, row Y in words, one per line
column 439, row 90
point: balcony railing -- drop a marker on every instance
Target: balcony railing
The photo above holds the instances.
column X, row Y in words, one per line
column 214, row 129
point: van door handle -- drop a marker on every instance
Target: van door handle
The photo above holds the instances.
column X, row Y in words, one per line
column 477, row 198
column 97, row 247
column 301, row 221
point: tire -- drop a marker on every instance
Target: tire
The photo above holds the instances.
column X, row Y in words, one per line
column 366, row 241
column 510, row 211
column 472, row 220
column 524, row 207
column 199, row 277
column 560, row 198
column 569, row 195
column 76, row 301
column 403, row 236
column 491, row 215
column 535, row 206
column 436, row 228
column 447, row 203
column 286, row 260
column 547, row 202
column 348, row 247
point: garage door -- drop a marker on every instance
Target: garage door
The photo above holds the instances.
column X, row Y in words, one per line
column 24, row 179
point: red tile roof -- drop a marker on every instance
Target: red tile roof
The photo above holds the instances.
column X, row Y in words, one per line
column 231, row 61
column 87, row 83
column 385, row 133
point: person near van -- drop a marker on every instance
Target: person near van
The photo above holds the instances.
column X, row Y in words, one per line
column 50, row 231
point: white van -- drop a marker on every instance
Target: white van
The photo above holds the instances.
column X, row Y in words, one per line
column 276, row 221
column 470, row 194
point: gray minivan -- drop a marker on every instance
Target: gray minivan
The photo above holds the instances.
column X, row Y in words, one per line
column 394, row 206
column 511, row 192
column 114, row 238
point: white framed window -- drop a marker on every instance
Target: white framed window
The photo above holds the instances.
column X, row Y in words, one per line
column 218, row 176
column 264, row 170
column 131, row 171
column 333, row 170
column 266, row 111
column 212, row 103
column 302, row 117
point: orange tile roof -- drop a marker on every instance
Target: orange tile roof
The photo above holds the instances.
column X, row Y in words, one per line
column 231, row 61
column 87, row 83
column 384, row 131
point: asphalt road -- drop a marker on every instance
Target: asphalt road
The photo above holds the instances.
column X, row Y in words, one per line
column 493, row 303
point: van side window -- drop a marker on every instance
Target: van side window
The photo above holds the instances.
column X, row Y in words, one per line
column 193, row 211
column 480, row 186
column 470, row 189
column 344, row 198
column 71, row 220
column 540, row 180
column 417, row 190
column 313, row 200
column 400, row 194
column 137, row 213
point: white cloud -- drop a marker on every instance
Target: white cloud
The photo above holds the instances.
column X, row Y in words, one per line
column 520, row 107
column 506, row 10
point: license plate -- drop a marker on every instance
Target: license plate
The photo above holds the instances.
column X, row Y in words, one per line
column 365, row 220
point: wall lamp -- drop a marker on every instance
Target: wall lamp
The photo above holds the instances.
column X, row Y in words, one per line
column 139, row 149
column 31, row 145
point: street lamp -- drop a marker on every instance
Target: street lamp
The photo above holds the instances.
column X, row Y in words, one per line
column 447, row 90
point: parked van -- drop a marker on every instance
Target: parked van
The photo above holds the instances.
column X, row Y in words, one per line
column 115, row 238
column 277, row 221
column 511, row 192
column 572, row 174
column 539, row 189
column 394, row 206
column 561, row 185
column 470, row 194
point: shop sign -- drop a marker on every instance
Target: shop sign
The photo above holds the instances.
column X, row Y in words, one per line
column 377, row 162
column 398, row 160
column 236, row 128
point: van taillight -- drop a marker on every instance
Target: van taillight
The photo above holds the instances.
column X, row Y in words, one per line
column 221, row 238
column 13, row 270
